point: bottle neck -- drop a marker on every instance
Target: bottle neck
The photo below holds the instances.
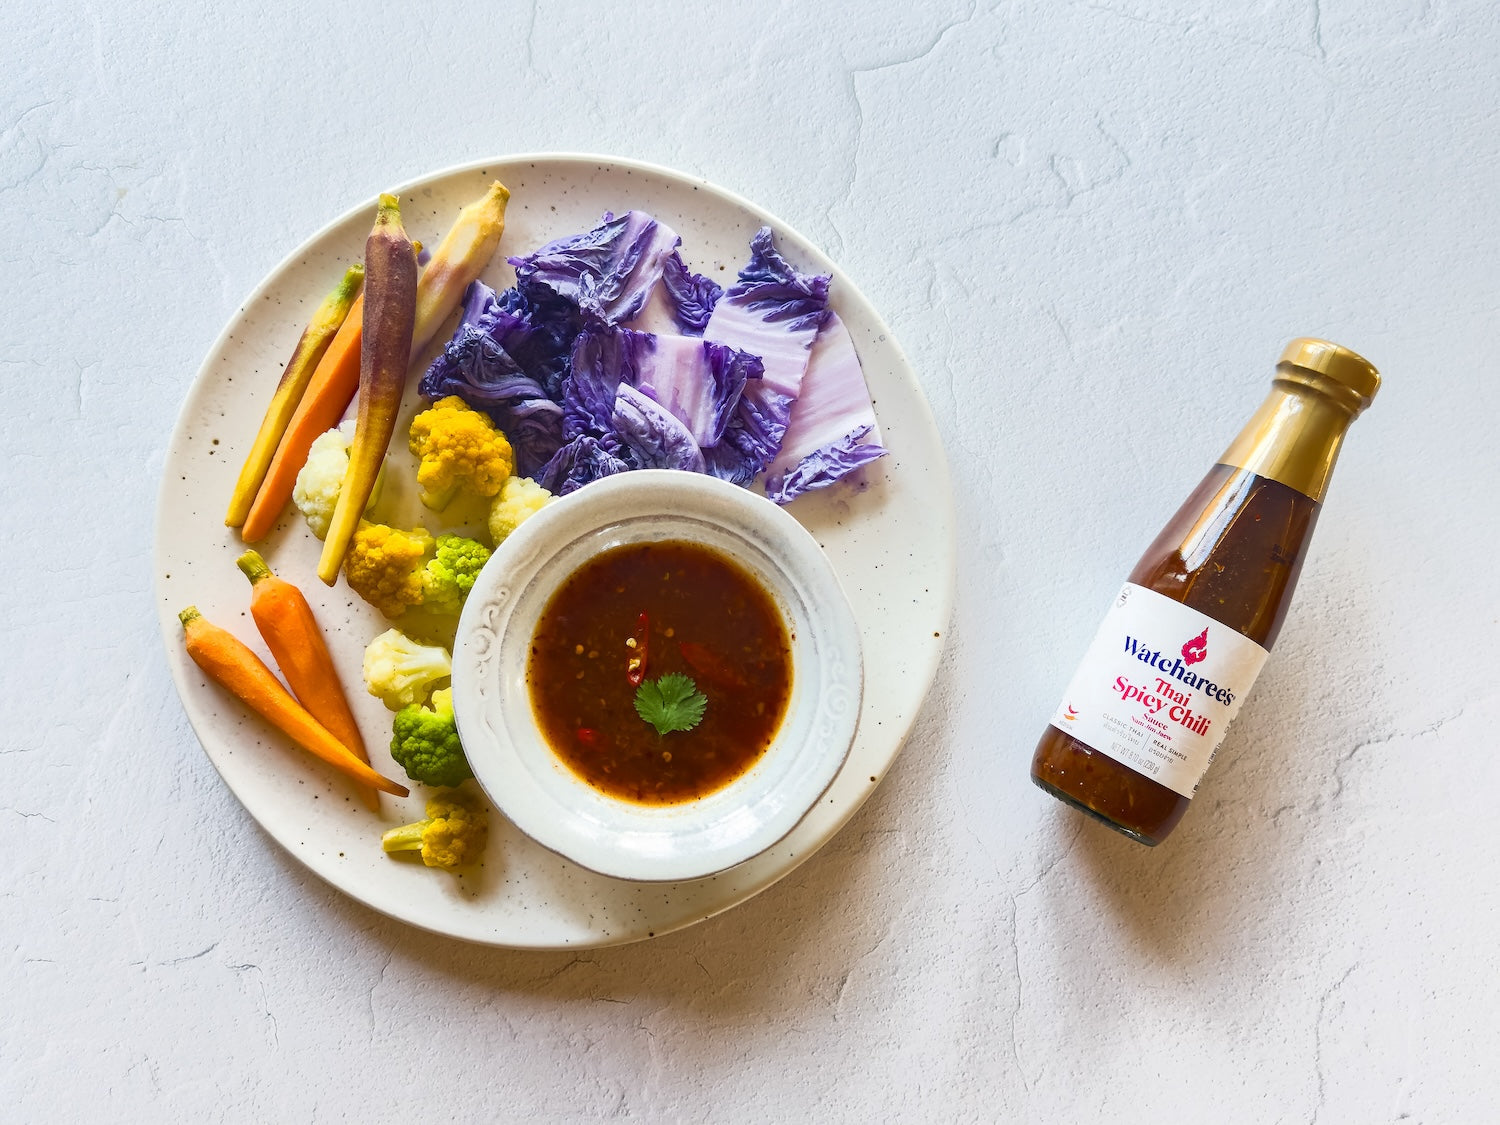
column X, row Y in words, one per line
column 1294, row 437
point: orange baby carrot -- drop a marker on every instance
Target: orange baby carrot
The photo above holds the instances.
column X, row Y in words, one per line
column 328, row 395
column 228, row 662
column 316, row 338
column 291, row 632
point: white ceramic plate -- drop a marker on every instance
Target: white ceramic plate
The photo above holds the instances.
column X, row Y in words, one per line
column 540, row 794
column 892, row 545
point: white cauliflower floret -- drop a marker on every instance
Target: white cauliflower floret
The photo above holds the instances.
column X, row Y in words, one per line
column 401, row 671
column 322, row 477
column 316, row 492
column 520, row 498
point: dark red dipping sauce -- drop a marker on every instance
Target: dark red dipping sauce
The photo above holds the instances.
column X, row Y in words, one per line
column 690, row 610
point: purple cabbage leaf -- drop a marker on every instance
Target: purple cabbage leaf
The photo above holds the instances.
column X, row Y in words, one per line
column 752, row 437
column 825, row 465
column 606, row 273
column 603, row 358
column 691, row 296
column 832, row 430
column 698, row 381
column 538, row 334
column 653, row 434
column 773, row 312
column 581, row 461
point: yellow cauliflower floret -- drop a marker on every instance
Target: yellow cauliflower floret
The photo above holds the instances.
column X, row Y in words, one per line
column 520, row 498
column 459, row 448
column 384, row 566
column 453, row 834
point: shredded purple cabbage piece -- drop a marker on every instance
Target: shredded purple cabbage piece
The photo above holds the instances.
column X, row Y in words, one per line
column 752, row 437
column 581, row 461
column 653, row 433
column 691, row 295
column 606, row 273
column 603, row 358
column 826, row 465
column 771, row 287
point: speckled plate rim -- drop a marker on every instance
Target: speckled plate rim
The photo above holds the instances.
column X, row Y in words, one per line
column 932, row 577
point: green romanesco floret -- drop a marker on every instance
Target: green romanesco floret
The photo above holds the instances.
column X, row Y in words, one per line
column 384, row 566
column 401, row 671
column 520, row 498
column 424, row 742
column 453, row 834
column 449, row 575
column 459, row 448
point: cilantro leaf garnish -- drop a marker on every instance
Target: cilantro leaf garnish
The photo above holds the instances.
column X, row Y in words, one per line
column 672, row 702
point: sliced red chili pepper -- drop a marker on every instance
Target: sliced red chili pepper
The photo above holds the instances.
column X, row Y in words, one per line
column 708, row 665
column 588, row 736
column 635, row 663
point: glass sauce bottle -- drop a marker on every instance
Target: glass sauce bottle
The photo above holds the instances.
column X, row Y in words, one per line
column 1179, row 649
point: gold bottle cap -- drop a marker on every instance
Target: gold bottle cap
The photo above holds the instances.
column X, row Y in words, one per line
column 1353, row 378
column 1294, row 437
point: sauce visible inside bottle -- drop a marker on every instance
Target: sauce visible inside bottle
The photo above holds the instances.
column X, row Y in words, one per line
column 1233, row 551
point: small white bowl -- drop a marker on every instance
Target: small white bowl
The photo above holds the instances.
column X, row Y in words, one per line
column 551, row 804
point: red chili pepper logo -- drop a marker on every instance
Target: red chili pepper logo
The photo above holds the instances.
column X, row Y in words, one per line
column 1197, row 648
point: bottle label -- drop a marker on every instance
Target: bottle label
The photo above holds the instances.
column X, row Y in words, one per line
column 1159, row 686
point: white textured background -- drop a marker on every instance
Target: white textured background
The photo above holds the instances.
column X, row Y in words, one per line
column 1092, row 226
